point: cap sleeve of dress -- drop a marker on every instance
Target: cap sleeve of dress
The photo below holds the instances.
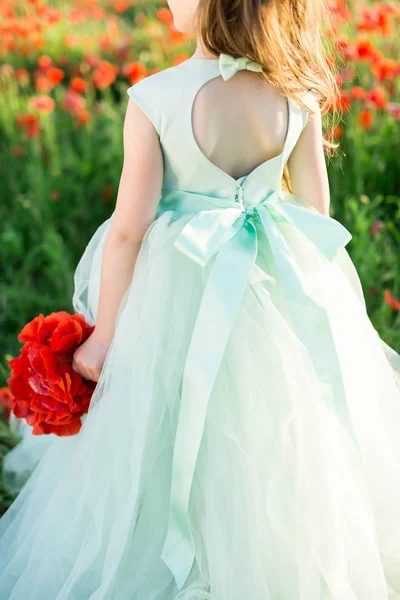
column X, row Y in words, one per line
column 143, row 95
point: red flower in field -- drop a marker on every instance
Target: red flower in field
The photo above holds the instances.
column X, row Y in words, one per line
column 337, row 132
column 343, row 101
column 78, row 85
column 377, row 19
column 358, row 93
column 5, row 401
column 55, row 75
column 377, row 97
column 105, row 43
column 344, row 47
column 43, row 84
column 44, row 62
column 165, row 16
column 48, row 79
column 394, row 109
column 91, row 59
column 340, row 10
column 29, row 123
column 365, row 48
column 22, row 76
column 366, row 119
column 46, row 391
column 83, row 116
column 135, row 71
column 43, row 103
column 391, row 300
column 377, row 226
column 53, row 16
column 386, row 68
column 73, row 102
column 120, row 6
column 175, row 36
column 71, row 41
column 104, row 74
column 108, row 193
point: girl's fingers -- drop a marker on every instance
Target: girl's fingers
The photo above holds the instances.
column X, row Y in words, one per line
column 75, row 365
column 81, row 369
column 92, row 374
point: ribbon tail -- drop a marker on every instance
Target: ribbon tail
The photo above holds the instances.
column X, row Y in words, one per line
column 327, row 234
column 308, row 316
column 221, row 300
column 290, row 275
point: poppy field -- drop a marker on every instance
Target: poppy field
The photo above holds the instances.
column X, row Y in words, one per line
column 65, row 67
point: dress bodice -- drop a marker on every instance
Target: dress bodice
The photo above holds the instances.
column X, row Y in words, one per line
column 167, row 98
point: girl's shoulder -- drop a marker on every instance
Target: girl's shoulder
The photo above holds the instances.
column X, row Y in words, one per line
column 159, row 92
column 158, row 79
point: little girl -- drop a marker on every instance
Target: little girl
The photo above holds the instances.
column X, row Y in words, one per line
column 243, row 439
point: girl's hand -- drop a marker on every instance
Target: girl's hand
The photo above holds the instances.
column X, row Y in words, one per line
column 89, row 358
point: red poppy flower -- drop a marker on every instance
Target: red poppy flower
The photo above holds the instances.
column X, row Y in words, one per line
column 391, row 300
column 366, row 119
column 45, row 389
column 365, row 48
column 358, row 93
column 377, row 96
column 79, row 85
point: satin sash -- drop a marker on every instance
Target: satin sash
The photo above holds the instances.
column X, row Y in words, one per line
column 230, row 235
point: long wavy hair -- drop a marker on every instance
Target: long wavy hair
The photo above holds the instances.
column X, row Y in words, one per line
column 284, row 37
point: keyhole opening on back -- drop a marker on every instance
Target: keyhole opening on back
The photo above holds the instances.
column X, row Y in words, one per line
column 234, row 125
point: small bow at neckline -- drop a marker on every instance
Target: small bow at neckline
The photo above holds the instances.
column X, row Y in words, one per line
column 229, row 66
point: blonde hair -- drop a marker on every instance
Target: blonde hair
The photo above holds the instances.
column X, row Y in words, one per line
column 283, row 36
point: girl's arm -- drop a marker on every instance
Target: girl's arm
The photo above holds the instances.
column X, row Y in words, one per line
column 137, row 201
column 306, row 164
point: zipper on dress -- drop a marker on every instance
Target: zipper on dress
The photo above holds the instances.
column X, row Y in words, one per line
column 239, row 193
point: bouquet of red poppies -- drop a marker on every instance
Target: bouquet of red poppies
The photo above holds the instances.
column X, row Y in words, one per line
column 45, row 389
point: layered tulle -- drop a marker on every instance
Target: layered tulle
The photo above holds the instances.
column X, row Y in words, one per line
column 296, row 494
column 21, row 461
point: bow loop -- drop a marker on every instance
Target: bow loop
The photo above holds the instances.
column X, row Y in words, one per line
column 229, row 66
column 207, row 231
column 327, row 234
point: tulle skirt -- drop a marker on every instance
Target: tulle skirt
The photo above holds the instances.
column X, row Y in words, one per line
column 296, row 491
column 21, row 461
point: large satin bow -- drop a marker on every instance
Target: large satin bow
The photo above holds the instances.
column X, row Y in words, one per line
column 228, row 65
column 230, row 235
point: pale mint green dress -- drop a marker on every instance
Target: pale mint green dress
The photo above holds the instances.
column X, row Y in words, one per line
column 243, row 442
